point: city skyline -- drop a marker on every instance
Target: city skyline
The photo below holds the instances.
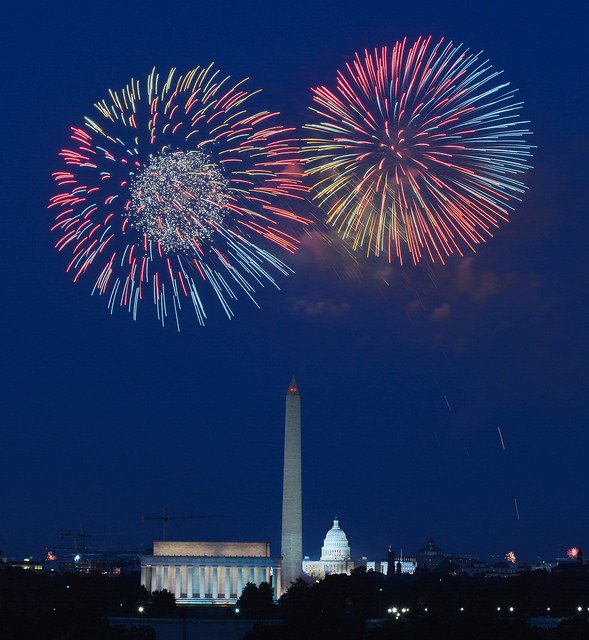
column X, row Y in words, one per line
column 445, row 401
column 174, row 527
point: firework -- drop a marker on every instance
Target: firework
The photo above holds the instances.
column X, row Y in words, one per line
column 501, row 438
column 418, row 150
column 573, row 552
column 174, row 187
column 511, row 557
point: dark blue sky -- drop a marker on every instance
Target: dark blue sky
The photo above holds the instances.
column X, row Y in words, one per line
column 105, row 420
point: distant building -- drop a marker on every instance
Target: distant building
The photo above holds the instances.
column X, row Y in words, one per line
column 28, row 564
column 543, row 565
column 568, row 567
column 209, row 572
column 477, row 568
column 335, row 555
column 430, row 555
column 103, row 562
column 460, row 562
column 503, row 569
column 401, row 565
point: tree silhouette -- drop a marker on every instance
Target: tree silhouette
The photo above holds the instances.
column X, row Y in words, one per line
column 256, row 602
column 162, row 603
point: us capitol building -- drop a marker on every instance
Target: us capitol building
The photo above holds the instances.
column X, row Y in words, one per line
column 335, row 555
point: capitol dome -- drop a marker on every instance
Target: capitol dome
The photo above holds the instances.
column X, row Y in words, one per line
column 335, row 546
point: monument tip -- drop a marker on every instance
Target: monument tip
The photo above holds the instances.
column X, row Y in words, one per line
column 293, row 389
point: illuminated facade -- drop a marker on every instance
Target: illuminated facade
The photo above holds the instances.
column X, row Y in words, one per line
column 335, row 555
column 401, row 565
column 209, row 572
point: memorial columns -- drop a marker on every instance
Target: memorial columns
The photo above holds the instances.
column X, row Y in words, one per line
column 189, row 585
column 214, row 582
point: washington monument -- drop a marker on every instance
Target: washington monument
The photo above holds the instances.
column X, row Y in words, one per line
column 292, row 525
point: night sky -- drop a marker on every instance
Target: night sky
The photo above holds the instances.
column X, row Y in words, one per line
column 405, row 374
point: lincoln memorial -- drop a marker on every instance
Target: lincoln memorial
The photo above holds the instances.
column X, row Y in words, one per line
column 209, row 572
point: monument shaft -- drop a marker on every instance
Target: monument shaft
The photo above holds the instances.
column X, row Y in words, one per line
column 292, row 525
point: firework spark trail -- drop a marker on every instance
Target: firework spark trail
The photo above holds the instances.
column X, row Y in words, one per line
column 504, row 449
column 417, row 151
column 501, row 437
column 447, row 404
column 175, row 187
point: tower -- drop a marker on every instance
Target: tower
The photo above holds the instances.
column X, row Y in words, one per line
column 292, row 519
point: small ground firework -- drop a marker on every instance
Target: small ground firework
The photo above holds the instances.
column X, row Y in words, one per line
column 173, row 187
column 511, row 557
column 417, row 151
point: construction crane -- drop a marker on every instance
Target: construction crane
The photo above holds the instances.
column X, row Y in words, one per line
column 79, row 539
column 165, row 518
column 78, row 543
